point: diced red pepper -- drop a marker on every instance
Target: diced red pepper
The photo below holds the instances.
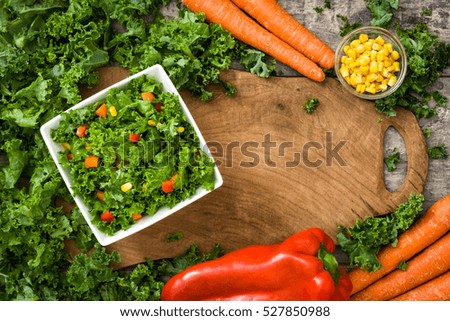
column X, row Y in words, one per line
column 70, row 156
column 158, row 106
column 167, row 186
column 107, row 216
column 134, row 138
column 102, row 111
column 81, row 130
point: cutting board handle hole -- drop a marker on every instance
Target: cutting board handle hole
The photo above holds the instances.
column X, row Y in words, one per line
column 395, row 155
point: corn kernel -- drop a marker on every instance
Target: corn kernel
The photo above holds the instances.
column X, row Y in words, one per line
column 360, row 49
column 373, row 67
column 346, row 48
column 395, row 55
column 387, row 63
column 382, row 86
column 87, row 146
column 396, row 66
column 351, row 53
column 364, row 70
column 363, row 37
column 388, row 47
column 113, row 111
column 126, row 187
column 355, row 43
column 344, row 71
column 380, row 66
column 66, row 146
column 371, row 89
column 376, row 46
column 392, row 81
column 151, row 122
column 380, row 78
column 371, row 77
column 354, row 64
column 379, row 40
column 180, row 129
column 363, row 60
column 385, row 73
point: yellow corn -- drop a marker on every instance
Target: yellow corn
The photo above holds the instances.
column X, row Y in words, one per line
column 369, row 64
column 66, row 146
column 180, row 129
column 113, row 111
column 126, row 187
column 151, row 122
column 395, row 55
column 363, row 38
column 392, row 81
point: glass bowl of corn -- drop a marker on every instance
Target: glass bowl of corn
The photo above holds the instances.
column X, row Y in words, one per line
column 370, row 62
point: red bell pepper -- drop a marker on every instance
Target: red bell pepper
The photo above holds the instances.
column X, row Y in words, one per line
column 300, row 268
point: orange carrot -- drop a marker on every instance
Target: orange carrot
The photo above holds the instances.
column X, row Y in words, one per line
column 275, row 19
column 427, row 265
column 437, row 289
column 429, row 228
column 91, row 161
column 244, row 28
column 102, row 111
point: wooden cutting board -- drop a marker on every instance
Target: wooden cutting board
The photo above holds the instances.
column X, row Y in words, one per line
column 284, row 170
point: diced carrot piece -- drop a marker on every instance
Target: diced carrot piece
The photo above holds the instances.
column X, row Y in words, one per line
column 81, row 130
column 91, row 161
column 102, row 111
column 147, row 96
column 136, row 216
column 100, row 196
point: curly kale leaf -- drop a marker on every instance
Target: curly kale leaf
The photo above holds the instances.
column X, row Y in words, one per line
column 363, row 241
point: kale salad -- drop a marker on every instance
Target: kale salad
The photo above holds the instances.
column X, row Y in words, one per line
column 132, row 153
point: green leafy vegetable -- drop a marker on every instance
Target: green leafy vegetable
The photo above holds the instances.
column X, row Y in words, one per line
column 175, row 236
column 362, row 241
column 347, row 26
column 311, row 105
column 427, row 132
column 392, row 160
column 382, row 12
column 437, row 152
column 427, row 58
column 426, row 11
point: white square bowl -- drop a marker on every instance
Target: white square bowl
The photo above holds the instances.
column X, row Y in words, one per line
column 104, row 239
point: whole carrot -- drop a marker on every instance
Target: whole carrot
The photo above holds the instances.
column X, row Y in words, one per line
column 275, row 19
column 427, row 265
column 429, row 228
column 242, row 27
column 437, row 289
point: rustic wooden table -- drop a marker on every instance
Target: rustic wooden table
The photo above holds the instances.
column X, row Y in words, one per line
column 326, row 26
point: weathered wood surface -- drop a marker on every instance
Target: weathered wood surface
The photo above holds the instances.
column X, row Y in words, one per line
column 326, row 26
